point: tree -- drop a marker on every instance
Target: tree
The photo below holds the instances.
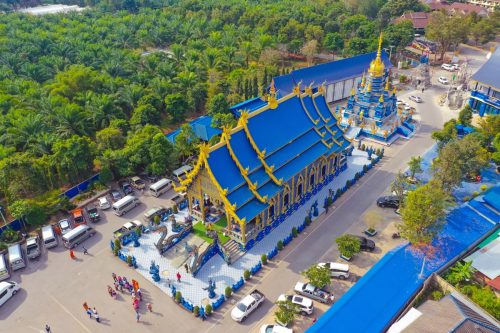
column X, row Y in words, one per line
column 176, row 106
column 400, row 34
column 145, row 114
column 67, row 151
column 483, row 31
column 218, row 104
column 110, row 138
column 460, row 272
column 446, row 30
column 400, row 187
column 348, row 245
column 415, row 165
column 309, row 49
column 223, row 120
column 163, row 155
column 465, row 116
column 186, row 141
column 333, row 42
column 489, row 127
column 423, row 213
column 448, row 133
column 318, row 276
column 496, row 144
column 286, row 312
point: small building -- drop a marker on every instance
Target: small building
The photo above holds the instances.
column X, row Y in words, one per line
column 202, row 128
column 459, row 8
column 419, row 20
column 51, row 9
column 486, row 261
column 490, row 5
column 485, row 95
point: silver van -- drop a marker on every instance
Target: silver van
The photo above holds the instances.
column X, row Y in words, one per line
column 77, row 235
column 160, row 187
column 4, row 269
column 49, row 237
column 125, row 204
column 16, row 258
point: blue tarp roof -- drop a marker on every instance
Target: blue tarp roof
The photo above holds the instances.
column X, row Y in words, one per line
column 488, row 73
column 492, row 198
column 329, row 72
column 376, row 299
column 202, row 129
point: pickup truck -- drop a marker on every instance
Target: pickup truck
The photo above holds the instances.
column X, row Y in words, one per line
column 33, row 247
column 308, row 290
column 137, row 182
column 247, row 305
column 127, row 228
column 93, row 214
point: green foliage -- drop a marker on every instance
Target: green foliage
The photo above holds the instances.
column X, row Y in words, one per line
column 196, row 310
column 186, row 141
column 279, row 245
column 138, row 231
column 105, row 175
column 178, row 296
column 423, row 213
column 348, row 245
column 176, row 106
column 399, row 35
column 446, row 30
column 485, row 298
column 318, row 276
column 208, row 310
column 129, row 260
column 3, row 246
column 246, row 274
column 294, row 232
column 223, row 120
column 286, row 311
column 228, row 292
column 460, row 272
column 415, row 165
column 448, row 132
column 218, row 104
column 465, row 116
column 10, row 235
column 437, row 295
column 307, row 220
column 484, row 187
column 118, row 246
column 156, row 220
column 263, row 259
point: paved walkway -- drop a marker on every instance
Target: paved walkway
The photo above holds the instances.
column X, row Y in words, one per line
column 216, row 268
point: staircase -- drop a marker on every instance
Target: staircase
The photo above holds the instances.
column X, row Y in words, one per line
column 233, row 250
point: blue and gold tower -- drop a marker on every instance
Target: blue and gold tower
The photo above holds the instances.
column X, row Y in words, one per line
column 371, row 110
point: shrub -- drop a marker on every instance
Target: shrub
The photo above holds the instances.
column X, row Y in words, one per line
column 437, row 295
column 129, row 260
column 348, row 245
column 115, row 251
column 263, row 259
column 118, row 244
column 208, row 310
column 363, row 147
column 178, row 296
column 347, row 183
column 228, row 292
column 365, row 168
column 10, row 235
column 156, row 220
column 280, row 245
column 294, row 232
column 338, row 193
column 484, row 187
column 467, row 198
column 246, row 274
column 138, row 231
column 475, row 194
column 307, row 220
column 3, row 246
column 377, row 152
column 106, row 176
column 175, row 209
column 196, row 310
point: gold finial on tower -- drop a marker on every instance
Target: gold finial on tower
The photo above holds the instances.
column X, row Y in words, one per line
column 387, row 84
column 377, row 67
column 363, row 80
column 271, row 99
column 381, row 99
column 352, row 91
column 369, row 88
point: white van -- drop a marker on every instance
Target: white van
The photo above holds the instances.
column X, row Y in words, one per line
column 160, row 187
column 77, row 235
column 49, row 237
column 7, row 290
column 16, row 258
column 125, row 204
column 4, row 269
column 337, row 270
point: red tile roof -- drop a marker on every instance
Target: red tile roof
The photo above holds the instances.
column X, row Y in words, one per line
column 419, row 19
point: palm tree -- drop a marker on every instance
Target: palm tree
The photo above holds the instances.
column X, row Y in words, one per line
column 462, row 271
column 247, row 49
column 186, row 80
column 72, row 120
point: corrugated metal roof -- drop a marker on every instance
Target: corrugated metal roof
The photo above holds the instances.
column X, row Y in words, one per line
column 488, row 73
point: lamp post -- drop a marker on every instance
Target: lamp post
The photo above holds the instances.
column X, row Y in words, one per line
column 1, row 214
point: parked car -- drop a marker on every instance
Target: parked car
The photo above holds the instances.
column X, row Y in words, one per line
column 150, row 178
column 151, row 213
column 389, row 201
column 137, row 182
column 126, row 187
column 367, row 245
column 269, row 328
column 448, row 67
column 116, row 195
column 104, row 203
column 305, row 304
column 64, row 226
column 93, row 214
column 337, row 270
column 247, row 305
column 127, row 228
column 78, row 216
column 7, row 290
column 417, row 99
column 443, row 80
column 33, row 247
column 456, row 67
column 308, row 290
column 399, row 102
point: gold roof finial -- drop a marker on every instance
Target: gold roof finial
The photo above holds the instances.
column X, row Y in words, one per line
column 387, row 84
column 377, row 66
column 352, row 91
column 272, row 89
column 381, row 99
column 394, row 90
column 363, row 80
column 271, row 99
column 369, row 88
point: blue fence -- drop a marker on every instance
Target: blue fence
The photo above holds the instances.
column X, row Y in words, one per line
column 83, row 186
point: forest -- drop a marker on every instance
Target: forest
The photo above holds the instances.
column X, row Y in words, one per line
column 96, row 91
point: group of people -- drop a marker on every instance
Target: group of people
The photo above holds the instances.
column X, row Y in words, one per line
column 92, row 312
column 121, row 283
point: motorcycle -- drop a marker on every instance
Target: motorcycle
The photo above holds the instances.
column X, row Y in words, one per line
column 396, row 235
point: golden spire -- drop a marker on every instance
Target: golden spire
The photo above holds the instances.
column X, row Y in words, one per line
column 363, row 80
column 377, row 67
column 394, row 91
column 381, row 99
column 271, row 99
column 369, row 88
column 387, row 84
column 352, row 91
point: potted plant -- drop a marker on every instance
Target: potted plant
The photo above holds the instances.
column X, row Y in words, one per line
column 178, row 296
column 294, row 232
column 228, row 292
column 280, row 245
column 348, row 246
column 263, row 259
column 372, row 218
column 246, row 274
column 286, row 312
column 208, row 310
column 196, row 311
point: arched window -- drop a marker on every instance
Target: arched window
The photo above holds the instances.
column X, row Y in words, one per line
column 271, row 211
column 299, row 190
column 286, row 200
column 311, row 180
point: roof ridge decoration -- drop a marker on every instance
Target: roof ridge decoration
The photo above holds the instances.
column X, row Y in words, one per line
column 204, row 152
column 315, row 122
column 325, row 120
column 226, row 136
column 271, row 99
column 243, row 122
column 309, row 89
column 296, row 89
column 377, row 66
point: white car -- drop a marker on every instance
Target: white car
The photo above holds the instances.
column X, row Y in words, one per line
column 104, row 203
column 64, row 225
column 417, row 99
column 443, row 80
column 247, row 305
column 305, row 304
column 448, row 67
column 269, row 328
column 337, row 270
column 7, row 290
column 456, row 67
column 399, row 102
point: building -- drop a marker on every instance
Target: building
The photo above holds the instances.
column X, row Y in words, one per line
column 202, row 128
column 51, row 9
column 490, row 5
column 485, row 95
column 452, row 313
column 485, row 261
column 270, row 162
column 338, row 76
column 419, row 20
column 459, row 8
column 371, row 109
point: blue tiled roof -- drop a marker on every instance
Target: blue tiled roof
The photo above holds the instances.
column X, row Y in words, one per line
column 488, row 73
column 329, row 72
column 244, row 151
column 297, row 164
column 224, row 169
column 248, row 105
column 251, row 210
column 492, row 198
column 295, row 147
column 202, row 129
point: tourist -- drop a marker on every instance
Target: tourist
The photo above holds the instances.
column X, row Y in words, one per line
column 85, row 251
column 47, row 328
column 139, row 293
column 186, row 267
column 150, row 307
column 169, row 282
column 96, row 315
column 72, row 254
column 137, row 316
column 114, row 276
column 178, row 277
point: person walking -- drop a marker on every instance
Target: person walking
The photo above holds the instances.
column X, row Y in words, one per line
column 423, row 90
column 169, row 282
column 187, row 268
column 139, row 293
column 85, row 251
column 96, row 315
column 114, row 277
column 137, row 316
column 72, row 254
column 47, row 328
column 178, row 277
column 150, row 307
